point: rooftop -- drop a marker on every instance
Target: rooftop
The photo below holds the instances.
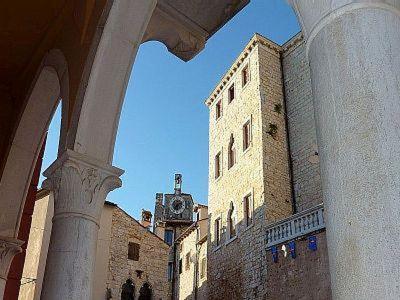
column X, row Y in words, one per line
column 254, row 41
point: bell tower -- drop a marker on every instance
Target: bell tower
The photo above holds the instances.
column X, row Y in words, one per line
column 173, row 212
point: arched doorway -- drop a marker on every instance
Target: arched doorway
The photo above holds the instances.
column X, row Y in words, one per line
column 145, row 292
column 128, row 290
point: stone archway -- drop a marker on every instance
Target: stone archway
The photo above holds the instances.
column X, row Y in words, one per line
column 50, row 85
column 128, row 290
column 146, row 292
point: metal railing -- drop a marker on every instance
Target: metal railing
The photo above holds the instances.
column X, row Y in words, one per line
column 296, row 225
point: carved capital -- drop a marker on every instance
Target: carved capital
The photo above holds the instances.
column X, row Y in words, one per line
column 80, row 185
column 179, row 34
column 9, row 247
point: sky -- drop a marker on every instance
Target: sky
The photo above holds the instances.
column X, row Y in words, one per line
column 163, row 128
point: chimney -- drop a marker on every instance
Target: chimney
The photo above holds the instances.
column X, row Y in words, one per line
column 178, row 183
column 146, row 218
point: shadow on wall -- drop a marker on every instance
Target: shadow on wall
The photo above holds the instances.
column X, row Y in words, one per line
column 234, row 266
column 242, row 268
column 201, row 293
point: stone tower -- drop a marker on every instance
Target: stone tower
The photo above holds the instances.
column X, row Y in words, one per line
column 173, row 212
column 249, row 181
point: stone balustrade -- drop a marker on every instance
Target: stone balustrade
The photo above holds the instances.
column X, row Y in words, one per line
column 297, row 225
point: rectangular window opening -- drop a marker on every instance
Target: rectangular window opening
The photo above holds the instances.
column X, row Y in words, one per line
column 180, row 266
column 247, row 135
column 133, row 251
column 169, row 236
column 218, row 110
column 170, row 270
column 218, row 165
column 245, row 75
column 248, row 209
column 217, row 232
column 231, row 93
column 187, row 261
column 203, row 267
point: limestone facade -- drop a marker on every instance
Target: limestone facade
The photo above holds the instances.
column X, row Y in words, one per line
column 151, row 266
column 191, row 259
column 260, row 173
column 278, row 170
column 301, row 125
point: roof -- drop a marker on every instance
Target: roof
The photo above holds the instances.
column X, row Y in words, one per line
column 189, row 230
column 254, row 41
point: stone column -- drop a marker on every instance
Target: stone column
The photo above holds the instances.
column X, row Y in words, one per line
column 353, row 48
column 8, row 249
column 80, row 185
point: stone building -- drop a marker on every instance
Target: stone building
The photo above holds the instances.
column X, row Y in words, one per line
column 190, row 272
column 130, row 259
column 264, row 175
column 79, row 54
column 173, row 214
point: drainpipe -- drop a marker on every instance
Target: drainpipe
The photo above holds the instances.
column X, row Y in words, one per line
column 290, row 164
column 175, row 262
column 196, row 265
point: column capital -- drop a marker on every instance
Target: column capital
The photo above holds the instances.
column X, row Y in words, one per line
column 80, row 184
column 313, row 16
column 9, row 247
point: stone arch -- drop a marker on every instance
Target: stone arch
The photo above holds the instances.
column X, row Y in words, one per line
column 49, row 85
column 128, row 290
column 146, row 292
column 95, row 116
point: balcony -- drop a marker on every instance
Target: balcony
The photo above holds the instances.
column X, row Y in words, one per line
column 297, row 225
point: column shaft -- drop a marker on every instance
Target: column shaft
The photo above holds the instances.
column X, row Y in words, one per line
column 355, row 63
column 80, row 185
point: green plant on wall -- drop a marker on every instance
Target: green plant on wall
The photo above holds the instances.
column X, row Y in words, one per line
column 272, row 130
column 278, row 108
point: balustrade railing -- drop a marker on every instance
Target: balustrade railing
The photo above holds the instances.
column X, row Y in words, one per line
column 296, row 225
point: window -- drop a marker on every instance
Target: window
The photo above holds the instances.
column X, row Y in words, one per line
column 170, row 270
column 231, row 93
column 203, row 267
column 245, row 75
column 169, row 236
column 218, row 110
column 246, row 135
column 232, row 221
column 187, row 261
column 248, row 209
column 180, row 266
column 133, row 251
column 217, row 231
column 231, row 153
column 218, row 165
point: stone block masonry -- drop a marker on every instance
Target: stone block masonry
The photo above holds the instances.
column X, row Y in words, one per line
column 301, row 125
column 151, row 266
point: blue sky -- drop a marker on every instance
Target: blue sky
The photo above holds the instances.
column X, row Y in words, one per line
column 164, row 122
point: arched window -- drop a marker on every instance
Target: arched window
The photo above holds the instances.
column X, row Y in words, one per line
column 128, row 290
column 145, row 292
column 232, row 221
column 231, row 152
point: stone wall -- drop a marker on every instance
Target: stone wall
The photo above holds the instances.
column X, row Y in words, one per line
column 305, row 277
column 235, row 267
column 186, row 281
column 301, row 125
column 153, row 257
